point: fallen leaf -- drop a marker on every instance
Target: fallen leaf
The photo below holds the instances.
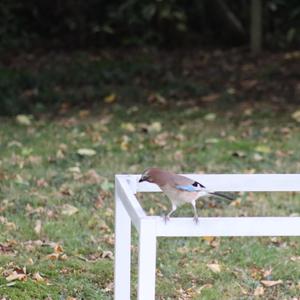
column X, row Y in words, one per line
column 210, row 117
column 53, row 256
column 38, row 226
column 69, row 210
column 125, row 143
column 161, row 139
column 110, row 98
column 128, row 127
column 259, row 291
column 92, row 177
column 63, row 257
column 23, row 120
column 37, row 277
column 236, row 202
column 215, row 267
column 212, row 141
column 211, row 98
column 157, row 98
column 205, row 286
column 58, row 249
column 269, row 283
column 86, row 152
column 257, row 157
column 107, row 254
column 295, row 258
column 84, row 113
column 29, row 261
column 154, row 127
column 263, row 149
column 109, row 287
column 74, row 170
column 16, row 276
column 296, row 116
column 249, row 84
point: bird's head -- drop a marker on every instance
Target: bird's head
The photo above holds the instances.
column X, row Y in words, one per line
column 148, row 175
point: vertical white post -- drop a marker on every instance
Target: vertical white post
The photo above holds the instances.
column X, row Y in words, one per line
column 147, row 260
column 122, row 249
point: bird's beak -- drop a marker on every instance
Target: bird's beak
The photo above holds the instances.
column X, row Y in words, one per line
column 141, row 179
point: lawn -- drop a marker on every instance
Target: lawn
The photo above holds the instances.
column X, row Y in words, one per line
column 57, row 182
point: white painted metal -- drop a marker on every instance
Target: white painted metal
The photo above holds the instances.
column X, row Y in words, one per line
column 128, row 198
column 149, row 227
column 237, row 182
column 122, row 249
column 229, row 226
column 147, row 260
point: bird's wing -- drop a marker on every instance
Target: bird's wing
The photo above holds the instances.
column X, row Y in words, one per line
column 187, row 188
column 183, row 183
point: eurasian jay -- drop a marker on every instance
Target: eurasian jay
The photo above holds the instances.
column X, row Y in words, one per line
column 179, row 189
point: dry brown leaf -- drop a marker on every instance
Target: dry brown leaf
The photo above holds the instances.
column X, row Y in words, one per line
column 41, row 182
column 86, row 152
column 269, row 283
column 37, row 277
column 296, row 116
column 110, row 98
column 125, row 143
column 259, row 291
column 38, row 226
column 210, row 117
column 211, row 98
column 16, row 276
column 53, row 256
column 107, row 254
column 69, row 210
column 128, row 127
column 161, row 139
column 23, row 120
column 92, row 177
column 295, row 258
column 205, row 286
column 84, row 113
column 58, row 249
column 215, row 267
column 63, row 257
column 155, row 127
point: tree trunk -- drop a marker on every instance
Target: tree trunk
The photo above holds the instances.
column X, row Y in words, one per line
column 256, row 26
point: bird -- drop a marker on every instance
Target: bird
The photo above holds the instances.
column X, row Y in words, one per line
column 178, row 188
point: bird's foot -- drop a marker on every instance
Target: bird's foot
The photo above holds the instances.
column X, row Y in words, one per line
column 166, row 218
column 196, row 219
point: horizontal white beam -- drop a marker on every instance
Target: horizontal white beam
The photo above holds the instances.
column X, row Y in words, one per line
column 129, row 200
column 229, row 226
column 236, row 182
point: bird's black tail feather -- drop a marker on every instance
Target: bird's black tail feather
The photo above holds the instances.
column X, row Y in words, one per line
column 225, row 196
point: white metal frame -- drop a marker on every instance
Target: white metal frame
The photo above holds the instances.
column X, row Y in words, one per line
column 128, row 210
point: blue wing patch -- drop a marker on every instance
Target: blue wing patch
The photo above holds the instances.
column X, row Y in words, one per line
column 187, row 188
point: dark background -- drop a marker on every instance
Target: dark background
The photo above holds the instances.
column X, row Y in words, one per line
column 127, row 42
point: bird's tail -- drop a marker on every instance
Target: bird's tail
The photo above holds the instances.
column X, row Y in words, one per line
column 221, row 195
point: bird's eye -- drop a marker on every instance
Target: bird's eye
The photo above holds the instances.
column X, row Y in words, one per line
column 196, row 184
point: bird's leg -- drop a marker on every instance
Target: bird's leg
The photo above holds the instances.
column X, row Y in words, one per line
column 167, row 217
column 195, row 212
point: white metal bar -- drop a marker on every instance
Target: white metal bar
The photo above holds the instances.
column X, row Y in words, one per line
column 122, row 249
column 129, row 200
column 147, row 260
column 229, row 226
column 237, row 182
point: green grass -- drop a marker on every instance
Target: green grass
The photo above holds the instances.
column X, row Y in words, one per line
column 40, row 171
